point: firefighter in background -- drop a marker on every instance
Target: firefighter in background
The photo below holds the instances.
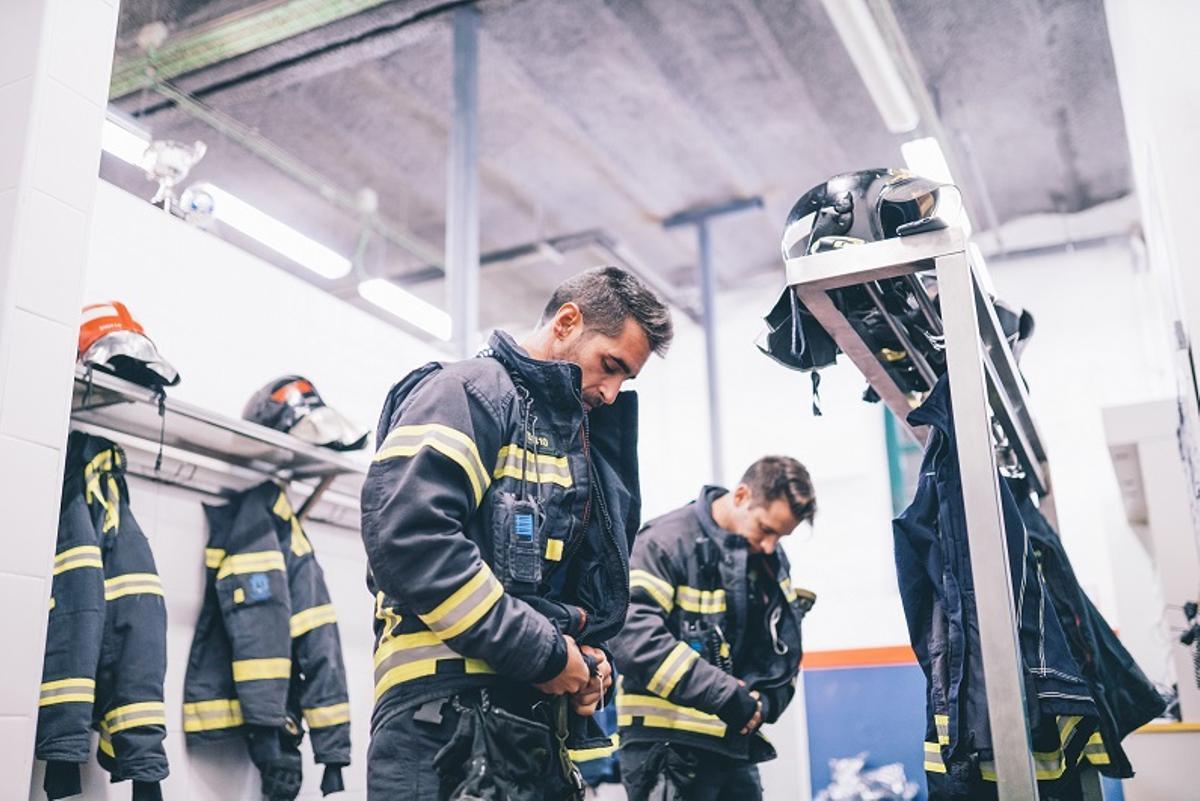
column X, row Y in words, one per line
column 711, row 647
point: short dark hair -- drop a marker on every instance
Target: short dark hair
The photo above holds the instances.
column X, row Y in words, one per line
column 775, row 477
column 607, row 297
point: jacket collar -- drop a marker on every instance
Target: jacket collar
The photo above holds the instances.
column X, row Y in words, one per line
column 553, row 381
column 727, row 540
column 935, row 411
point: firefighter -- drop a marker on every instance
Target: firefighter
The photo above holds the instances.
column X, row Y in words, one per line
column 498, row 513
column 711, row 647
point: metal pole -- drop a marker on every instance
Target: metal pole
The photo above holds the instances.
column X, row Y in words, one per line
column 708, row 291
column 462, row 195
column 1002, row 667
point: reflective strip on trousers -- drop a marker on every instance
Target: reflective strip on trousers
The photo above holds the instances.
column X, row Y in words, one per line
column 521, row 464
column 466, row 605
column 132, row 584
column 413, row 656
column 311, row 618
column 324, row 716
column 672, row 669
column 405, row 441
column 656, row 588
column 67, row 691
column 220, row 713
column 661, row 713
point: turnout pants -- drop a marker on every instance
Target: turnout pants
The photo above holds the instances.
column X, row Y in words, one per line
column 664, row 772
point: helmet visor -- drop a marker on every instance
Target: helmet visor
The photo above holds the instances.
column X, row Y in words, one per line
column 131, row 356
column 327, row 427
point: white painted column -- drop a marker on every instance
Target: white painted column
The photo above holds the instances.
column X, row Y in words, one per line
column 55, row 61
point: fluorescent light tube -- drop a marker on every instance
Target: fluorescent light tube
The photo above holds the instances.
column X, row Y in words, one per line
column 407, row 306
column 123, row 143
column 863, row 41
column 925, row 158
column 287, row 241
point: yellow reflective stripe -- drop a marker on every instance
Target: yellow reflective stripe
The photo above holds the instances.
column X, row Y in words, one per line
column 106, row 744
column 145, row 713
column 672, row 669
column 1095, row 751
column 213, row 557
column 942, row 722
column 599, row 752
column 132, row 584
column 388, row 615
column 704, row 602
column 788, row 591
column 324, row 716
column 413, row 656
column 311, row 618
column 53, row 603
column 77, row 557
column 554, row 549
column 67, row 691
column 220, row 713
column 254, row 562
column 451, row 443
column 261, row 669
column 656, row 588
column 466, row 605
column 521, row 464
column 933, row 758
column 660, row 713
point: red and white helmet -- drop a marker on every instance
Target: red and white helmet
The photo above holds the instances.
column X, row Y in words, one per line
column 111, row 340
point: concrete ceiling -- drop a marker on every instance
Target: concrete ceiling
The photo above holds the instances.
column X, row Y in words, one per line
column 614, row 115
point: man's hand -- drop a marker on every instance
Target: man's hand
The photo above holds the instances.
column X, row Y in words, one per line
column 573, row 678
column 755, row 722
column 586, row 702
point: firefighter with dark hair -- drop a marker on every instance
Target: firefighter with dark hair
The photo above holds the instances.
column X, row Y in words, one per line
column 711, row 646
column 498, row 515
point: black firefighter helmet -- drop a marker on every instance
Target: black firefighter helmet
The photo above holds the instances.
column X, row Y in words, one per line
column 292, row 405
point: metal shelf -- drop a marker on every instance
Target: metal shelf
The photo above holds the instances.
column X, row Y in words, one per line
column 213, row 454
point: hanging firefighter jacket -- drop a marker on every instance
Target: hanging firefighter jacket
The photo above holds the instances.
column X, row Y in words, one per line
column 266, row 654
column 688, row 638
column 937, row 590
column 106, row 644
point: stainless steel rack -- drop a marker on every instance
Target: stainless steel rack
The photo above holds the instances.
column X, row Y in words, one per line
column 986, row 390
column 213, row 454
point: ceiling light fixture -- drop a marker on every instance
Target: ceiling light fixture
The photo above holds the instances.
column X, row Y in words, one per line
column 863, row 41
column 124, row 143
column 407, row 306
column 283, row 239
column 925, row 157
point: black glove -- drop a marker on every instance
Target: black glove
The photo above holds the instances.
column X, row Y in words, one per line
column 738, row 710
column 62, row 780
column 281, row 780
column 332, row 782
column 147, row 791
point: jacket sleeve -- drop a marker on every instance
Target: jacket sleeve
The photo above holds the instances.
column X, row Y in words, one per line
column 427, row 479
column 647, row 651
column 255, row 604
column 317, row 648
column 73, row 636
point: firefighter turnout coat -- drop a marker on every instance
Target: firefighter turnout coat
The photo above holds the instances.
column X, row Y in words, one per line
column 106, row 650
column 689, row 636
column 266, row 653
column 497, row 516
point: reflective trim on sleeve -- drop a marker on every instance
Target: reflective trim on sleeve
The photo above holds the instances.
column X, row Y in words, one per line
column 254, row 562
column 213, row 557
column 519, row 463
column 219, row 713
column 578, row 755
column 704, row 602
column 77, row 557
column 132, row 584
column 933, row 759
column 412, row 656
column 942, row 722
column 656, row 588
column 312, row 618
column 145, row 713
column 466, row 605
column 660, row 713
column 106, row 744
column 262, row 669
column 324, row 716
column 672, row 669
column 453, row 444
column 67, row 691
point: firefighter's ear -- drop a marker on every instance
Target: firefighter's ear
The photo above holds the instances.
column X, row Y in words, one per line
column 741, row 495
column 567, row 321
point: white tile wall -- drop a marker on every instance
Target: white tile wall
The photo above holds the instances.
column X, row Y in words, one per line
column 16, row 756
column 37, row 395
column 49, row 260
column 66, row 156
column 23, row 600
column 8, row 227
column 29, row 494
column 19, row 39
column 82, row 37
column 16, row 98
